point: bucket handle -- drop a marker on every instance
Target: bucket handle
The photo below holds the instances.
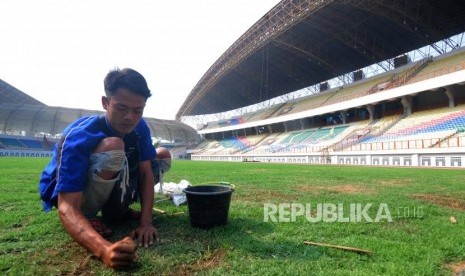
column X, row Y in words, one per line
column 233, row 187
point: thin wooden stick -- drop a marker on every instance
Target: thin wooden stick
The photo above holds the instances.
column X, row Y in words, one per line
column 176, row 214
column 158, row 210
column 347, row 248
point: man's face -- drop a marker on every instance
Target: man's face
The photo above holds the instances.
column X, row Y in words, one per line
column 124, row 110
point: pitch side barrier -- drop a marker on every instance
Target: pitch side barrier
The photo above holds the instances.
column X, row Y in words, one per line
column 442, row 156
column 24, row 153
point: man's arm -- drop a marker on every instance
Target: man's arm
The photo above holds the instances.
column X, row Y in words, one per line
column 114, row 255
column 146, row 234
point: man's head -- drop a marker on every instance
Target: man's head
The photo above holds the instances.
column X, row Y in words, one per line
column 126, row 78
column 126, row 93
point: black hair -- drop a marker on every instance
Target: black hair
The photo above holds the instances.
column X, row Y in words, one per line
column 126, row 78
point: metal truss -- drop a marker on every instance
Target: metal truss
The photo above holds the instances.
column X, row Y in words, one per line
column 434, row 49
column 285, row 15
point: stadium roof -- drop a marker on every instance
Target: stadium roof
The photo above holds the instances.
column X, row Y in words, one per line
column 20, row 112
column 10, row 94
column 302, row 43
column 38, row 120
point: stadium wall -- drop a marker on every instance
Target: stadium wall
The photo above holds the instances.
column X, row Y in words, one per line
column 426, row 158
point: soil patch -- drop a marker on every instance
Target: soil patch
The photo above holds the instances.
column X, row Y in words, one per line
column 442, row 200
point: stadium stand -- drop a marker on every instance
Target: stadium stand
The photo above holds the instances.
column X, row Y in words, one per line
column 354, row 90
column 361, row 82
column 424, row 126
column 428, row 129
column 429, row 122
column 31, row 128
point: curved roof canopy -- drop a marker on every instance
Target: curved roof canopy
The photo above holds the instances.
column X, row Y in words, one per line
column 20, row 112
column 10, row 94
column 302, row 43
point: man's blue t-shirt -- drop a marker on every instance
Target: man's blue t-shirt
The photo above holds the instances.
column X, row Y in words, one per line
column 67, row 170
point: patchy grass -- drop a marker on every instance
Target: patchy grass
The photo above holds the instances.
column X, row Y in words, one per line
column 344, row 189
column 443, row 200
column 457, row 268
column 208, row 262
column 420, row 240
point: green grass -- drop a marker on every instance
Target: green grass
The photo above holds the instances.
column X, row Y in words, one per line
column 33, row 242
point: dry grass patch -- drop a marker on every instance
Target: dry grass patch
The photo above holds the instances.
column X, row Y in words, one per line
column 213, row 260
column 442, row 200
column 457, row 269
column 343, row 189
column 396, row 182
column 266, row 196
column 252, row 171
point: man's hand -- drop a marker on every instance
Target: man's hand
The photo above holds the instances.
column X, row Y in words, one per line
column 120, row 254
column 146, row 235
column 115, row 255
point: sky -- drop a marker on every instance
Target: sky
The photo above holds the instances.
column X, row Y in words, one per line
column 60, row 51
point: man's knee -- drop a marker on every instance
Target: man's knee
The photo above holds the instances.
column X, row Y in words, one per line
column 109, row 144
column 163, row 153
column 114, row 147
column 162, row 163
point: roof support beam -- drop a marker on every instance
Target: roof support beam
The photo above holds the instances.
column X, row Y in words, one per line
column 285, row 15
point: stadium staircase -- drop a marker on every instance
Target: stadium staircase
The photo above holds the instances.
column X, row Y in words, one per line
column 349, row 140
column 386, row 124
column 47, row 145
column 302, row 140
column 402, row 77
column 269, row 115
column 438, row 143
column 325, row 158
column 264, row 145
column 408, row 74
column 203, row 147
column 254, row 144
column 439, row 67
column 329, row 97
column 238, row 144
column 373, row 129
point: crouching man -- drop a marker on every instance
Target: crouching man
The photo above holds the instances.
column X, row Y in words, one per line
column 104, row 164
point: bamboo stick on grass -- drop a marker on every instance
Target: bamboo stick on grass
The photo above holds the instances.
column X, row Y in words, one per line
column 346, row 248
column 158, row 210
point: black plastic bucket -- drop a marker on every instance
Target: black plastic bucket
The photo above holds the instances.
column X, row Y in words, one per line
column 208, row 205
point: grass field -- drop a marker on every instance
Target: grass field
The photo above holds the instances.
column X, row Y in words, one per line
column 420, row 240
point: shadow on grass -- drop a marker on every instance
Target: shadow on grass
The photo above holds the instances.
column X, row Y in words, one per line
column 184, row 249
column 242, row 238
column 259, row 240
